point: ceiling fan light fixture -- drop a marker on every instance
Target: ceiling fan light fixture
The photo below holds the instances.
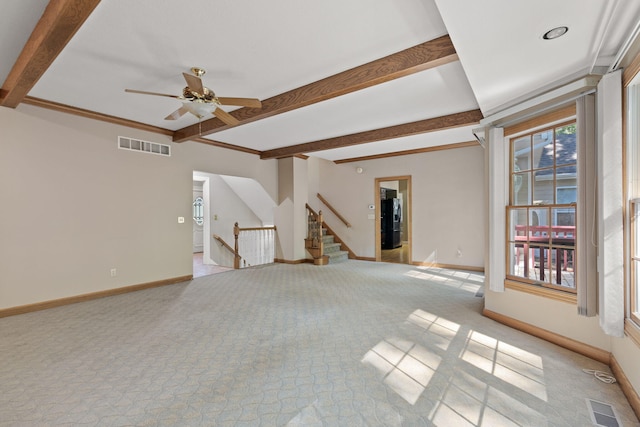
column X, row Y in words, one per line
column 554, row 33
column 201, row 101
column 200, row 109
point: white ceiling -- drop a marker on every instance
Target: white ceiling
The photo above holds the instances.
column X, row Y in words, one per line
column 501, row 48
column 262, row 49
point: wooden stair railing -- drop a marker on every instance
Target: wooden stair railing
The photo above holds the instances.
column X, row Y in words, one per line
column 236, row 234
column 237, row 257
column 332, row 209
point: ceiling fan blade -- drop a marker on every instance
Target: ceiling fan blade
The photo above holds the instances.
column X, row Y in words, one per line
column 152, row 93
column 242, row 102
column 225, row 117
column 178, row 113
column 194, row 83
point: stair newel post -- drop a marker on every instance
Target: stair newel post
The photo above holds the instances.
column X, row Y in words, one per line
column 236, row 258
column 319, row 233
column 314, row 242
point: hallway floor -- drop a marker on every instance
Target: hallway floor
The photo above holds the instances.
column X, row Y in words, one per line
column 398, row 255
column 200, row 269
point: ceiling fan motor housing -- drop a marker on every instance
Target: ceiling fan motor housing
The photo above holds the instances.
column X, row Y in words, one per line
column 192, row 95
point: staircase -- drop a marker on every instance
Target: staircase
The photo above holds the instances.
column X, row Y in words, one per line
column 319, row 243
column 332, row 249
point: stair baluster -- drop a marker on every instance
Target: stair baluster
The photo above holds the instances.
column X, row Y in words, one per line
column 318, row 243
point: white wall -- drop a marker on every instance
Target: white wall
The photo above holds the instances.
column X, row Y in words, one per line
column 290, row 214
column 552, row 315
column 74, row 205
column 627, row 353
column 300, row 199
column 447, row 203
column 253, row 196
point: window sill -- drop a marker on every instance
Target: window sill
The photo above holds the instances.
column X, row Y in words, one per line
column 569, row 298
column 632, row 330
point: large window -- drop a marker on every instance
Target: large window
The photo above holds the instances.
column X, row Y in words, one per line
column 635, row 260
column 541, row 216
column 632, row 141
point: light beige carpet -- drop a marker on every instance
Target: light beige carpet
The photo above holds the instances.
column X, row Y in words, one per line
column 351, row 344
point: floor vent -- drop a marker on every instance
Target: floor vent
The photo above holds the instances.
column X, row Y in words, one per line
column 603, row 414
column 132, row 144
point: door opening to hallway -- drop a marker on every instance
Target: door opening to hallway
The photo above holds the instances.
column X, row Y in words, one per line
column 202, row 266
column 393, row 219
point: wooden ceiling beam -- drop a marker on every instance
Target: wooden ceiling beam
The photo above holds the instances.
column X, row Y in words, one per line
column 450, row 121
column 227, row 146
column 59, row 22
column 415, row 59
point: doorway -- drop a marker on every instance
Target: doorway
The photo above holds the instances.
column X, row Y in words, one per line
column 393, row 219
column 203, row 263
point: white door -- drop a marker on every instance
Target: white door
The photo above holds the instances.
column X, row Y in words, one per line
column 198, row 221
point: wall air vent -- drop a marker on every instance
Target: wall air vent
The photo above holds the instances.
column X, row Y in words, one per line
column 132, row 144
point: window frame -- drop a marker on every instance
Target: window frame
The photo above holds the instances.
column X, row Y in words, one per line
column 561, row 119
column 634, row 260
column 631, row 129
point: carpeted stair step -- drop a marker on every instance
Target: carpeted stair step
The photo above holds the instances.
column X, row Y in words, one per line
column 327, row 239
column 338, row 256
column 330, row 248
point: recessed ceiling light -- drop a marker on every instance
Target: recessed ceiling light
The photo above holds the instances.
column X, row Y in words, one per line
column 554, row 33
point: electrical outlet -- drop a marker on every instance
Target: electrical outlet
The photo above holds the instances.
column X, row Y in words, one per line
column 114, row 272
column 180, row 220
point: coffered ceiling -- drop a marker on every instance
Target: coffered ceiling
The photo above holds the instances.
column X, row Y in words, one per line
column 340, row 80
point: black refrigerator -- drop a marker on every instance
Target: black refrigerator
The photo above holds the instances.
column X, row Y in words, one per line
column 391, row 223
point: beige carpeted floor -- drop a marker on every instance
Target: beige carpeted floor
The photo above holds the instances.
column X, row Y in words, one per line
column 351, row 344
